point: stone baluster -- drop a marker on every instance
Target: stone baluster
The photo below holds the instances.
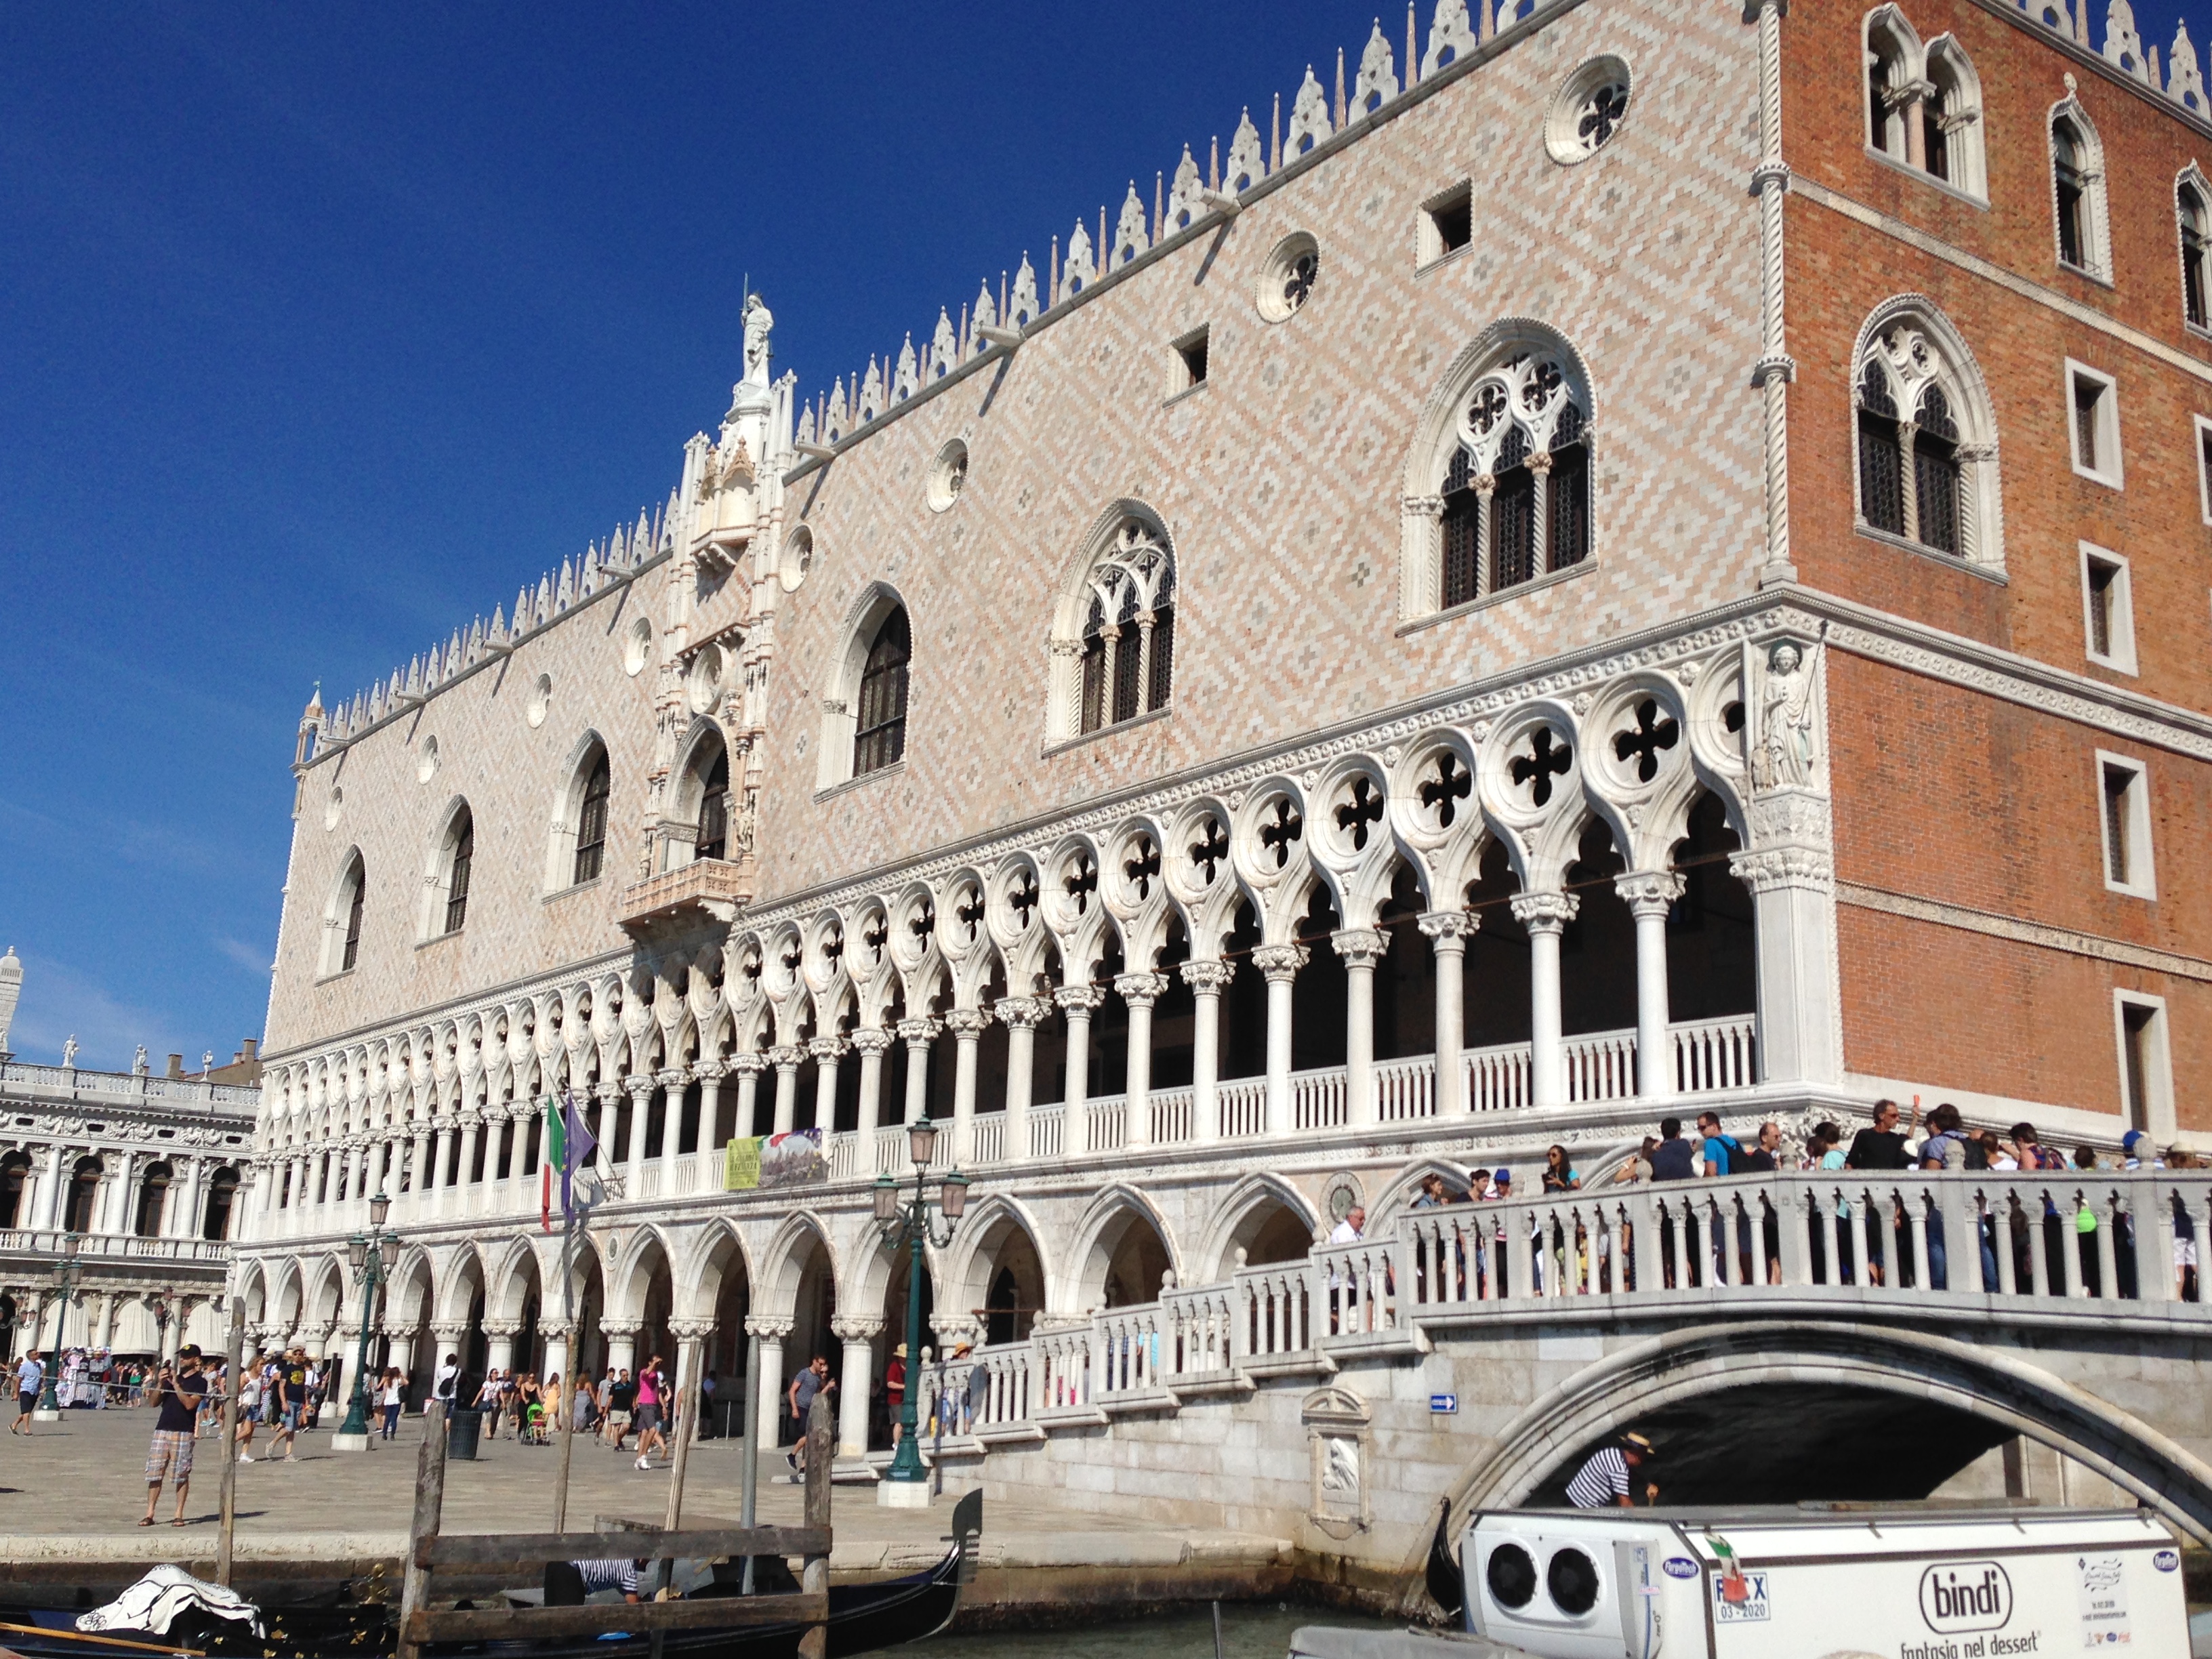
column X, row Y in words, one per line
column 1279, row 964
column 1546, row 915
column 1206, row 980
column 1447, row 931
column 785, row 1057
column 1139, row 992
column 873, row 1042
column 1021, row 1017
column 1078, row 1003
column 966, row 1026
column 855, row 1377
column 917, row 1035
column 1360, row 949
column 1649, row 894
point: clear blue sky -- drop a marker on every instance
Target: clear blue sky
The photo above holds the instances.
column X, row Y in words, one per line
column 323, row 328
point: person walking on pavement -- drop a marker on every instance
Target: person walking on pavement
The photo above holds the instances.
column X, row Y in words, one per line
column 652, row 1411
column 30, row 1377
column 814, row 1380
column 180, row 1391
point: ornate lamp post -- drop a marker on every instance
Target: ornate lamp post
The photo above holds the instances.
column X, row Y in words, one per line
column 373, row 1254
column 65, row 1275
column 913, row 1222
column 160, row 1305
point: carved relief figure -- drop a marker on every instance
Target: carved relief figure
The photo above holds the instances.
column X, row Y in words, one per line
column 1786, row 723
column 1340, row 1474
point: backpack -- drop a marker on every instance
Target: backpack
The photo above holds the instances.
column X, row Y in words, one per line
column 1733, row 1157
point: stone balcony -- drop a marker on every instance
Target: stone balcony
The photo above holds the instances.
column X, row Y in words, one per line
column 703, row 889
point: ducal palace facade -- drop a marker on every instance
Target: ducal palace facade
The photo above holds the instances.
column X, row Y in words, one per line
column 1596, row 561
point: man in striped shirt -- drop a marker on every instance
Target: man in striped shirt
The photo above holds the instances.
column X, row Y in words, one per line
column 1603, row 1481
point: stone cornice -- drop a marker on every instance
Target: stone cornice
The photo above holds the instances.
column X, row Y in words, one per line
column 1994, row 926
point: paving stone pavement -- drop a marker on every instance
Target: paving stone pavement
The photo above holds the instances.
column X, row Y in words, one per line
column 85, row 1475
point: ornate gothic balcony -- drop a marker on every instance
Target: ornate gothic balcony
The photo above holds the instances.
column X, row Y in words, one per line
column 702, row 890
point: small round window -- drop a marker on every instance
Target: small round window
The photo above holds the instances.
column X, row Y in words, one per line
column 333, row 807
column 1588, row 110
column 541, row 700
column 949, row 477
column 1287, row 281
column 637, row 646
column 797, row 558
column 425, row 761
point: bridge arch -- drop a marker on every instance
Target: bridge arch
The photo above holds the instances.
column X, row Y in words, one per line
column 2004, row 1389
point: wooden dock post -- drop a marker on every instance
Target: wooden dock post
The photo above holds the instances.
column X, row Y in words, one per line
column 232, row 1381
column 814, row 1576
column 422, row 1532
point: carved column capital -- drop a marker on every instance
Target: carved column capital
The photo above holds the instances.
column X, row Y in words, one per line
column 1141, row 990
column 768, row 1329
column 1449, row 929
column 673, row 1079
column 1545, row 912
column 919, row 1033
column 786, row 1056
column 856, row 1330
column 623, row 1329
column 1360, row 947
column 690, row 1330
column 1280, row 963
column 872, row 1039
column 1021, row 1014
column 966, row 1024
column 639, row 1086
column 1078, row 998
column 1649, row 892
column 825, row 1049
column 446, row 1331
column 503, row 1329
column 1207, row 979
column 750, row 1063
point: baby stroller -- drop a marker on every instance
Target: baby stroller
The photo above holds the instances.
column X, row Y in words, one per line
column 533, row 1427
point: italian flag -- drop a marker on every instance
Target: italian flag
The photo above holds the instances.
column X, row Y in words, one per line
column 556, row 1152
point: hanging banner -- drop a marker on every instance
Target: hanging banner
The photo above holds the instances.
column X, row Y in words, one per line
column 792, row 1160
column 741, row 1167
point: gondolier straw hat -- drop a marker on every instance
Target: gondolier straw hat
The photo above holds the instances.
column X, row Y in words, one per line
column 899, row 1352
column 1638, row 1444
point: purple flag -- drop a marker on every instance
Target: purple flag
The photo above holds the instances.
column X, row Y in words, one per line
column 577, row 1145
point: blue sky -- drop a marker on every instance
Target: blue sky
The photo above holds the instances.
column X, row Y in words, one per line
column 322, row 329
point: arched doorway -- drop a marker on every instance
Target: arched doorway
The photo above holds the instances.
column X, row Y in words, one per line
column 1127, row 1262
column 812, row 1308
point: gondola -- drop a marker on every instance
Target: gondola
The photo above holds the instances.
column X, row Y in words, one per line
column 863, row 1619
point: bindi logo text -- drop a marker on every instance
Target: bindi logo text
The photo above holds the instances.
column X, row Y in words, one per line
column 1965, row 1595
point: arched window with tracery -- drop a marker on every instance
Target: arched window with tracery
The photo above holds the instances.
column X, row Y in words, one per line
column 702, row 811
column 342, row 917
column 713, row 841
column 591, row 821
column 460, row 861
column 2077, row 184
column 2196, row 227
column 1893, row 68
column 1927, row 470
column 1950, row 110
column 1515, row 493
column 1129, row 634
column 880, row 738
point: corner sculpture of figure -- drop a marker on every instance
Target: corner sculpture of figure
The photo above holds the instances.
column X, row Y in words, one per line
column 1785, row 719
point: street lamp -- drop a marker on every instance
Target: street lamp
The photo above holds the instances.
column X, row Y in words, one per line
column 66, row 1275
column 373, row 1255
column 913, row 1222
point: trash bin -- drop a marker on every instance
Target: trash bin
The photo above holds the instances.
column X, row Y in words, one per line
column 464, row 1428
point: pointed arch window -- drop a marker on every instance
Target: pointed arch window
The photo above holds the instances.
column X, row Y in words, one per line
column 2077, row 184
column 2195, row 222
column 1926, row 448
column 463, row 858
column 1128, row 632
column 1516, row 486
column 880, row 739
column 591, row 821
column 350, row 952
column 713, row 841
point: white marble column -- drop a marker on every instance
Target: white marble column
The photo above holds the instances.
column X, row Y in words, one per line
column 1279, row 964
column 1139, row 993
column 1021, row 1016
column 1649, row 894
column 639, row 1086
column 1360, row 949
column 188, row 1223
column 557, row 1356
column 1206, row 980
column 873, row 1042
column 673, row 1083
column 785, row 1057
column 745, row 1116
column 120, row 1206
column 825, row 1050
column 55, row 1196
column 621, row 1344
column 1546, row 915
column 1077, row 1004
column 1790, row 871
column 1447, row 931
column 691, row 1337
column 966, row 1026
column 710, row 1073
column 767, row 1404
column 917, row 1035
column 499, row 1343
column 472, row 1126
column 855, row 1378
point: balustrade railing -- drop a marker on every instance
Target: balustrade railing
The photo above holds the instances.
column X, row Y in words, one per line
column 1601, row 1067
column 1320, row 1100
column 111, row 1246
column 1405, row 1089
column 1498, row 1078
column 1047, row 1131
column 1243, row 1104
column 1105, row 1124
column 1172, row 1116
column 990, row 1137
column 2073, row 1244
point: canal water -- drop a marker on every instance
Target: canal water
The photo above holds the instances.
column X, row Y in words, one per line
column 1250, row 1630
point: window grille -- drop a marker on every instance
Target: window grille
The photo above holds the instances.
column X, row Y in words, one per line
column 1936, row 473
column 1881, row 481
